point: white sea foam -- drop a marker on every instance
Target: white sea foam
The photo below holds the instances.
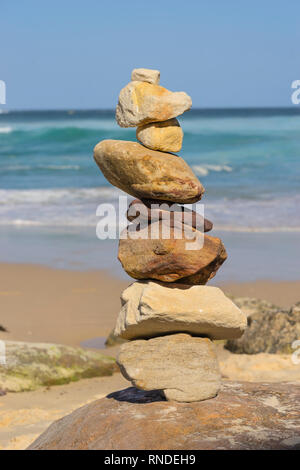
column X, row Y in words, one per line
column 24, row 222
column 40, row 167
column 77, row 207
column 203, row 170
column 59, row 167
column 6, row 130
column 100, row 125
column 62, row 196
column 234, row 228
column 15, row 168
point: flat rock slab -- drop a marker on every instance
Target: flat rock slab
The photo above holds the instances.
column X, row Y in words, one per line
column 243, row 416
column 264, row 317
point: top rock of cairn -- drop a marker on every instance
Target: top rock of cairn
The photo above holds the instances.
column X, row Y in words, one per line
column 145, row 75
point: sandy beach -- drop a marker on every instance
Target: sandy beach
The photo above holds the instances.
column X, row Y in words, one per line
column 68, row 307
column 42, row 304
column 51, row 305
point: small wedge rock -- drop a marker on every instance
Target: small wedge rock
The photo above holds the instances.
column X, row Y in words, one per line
column 145, row 173
column 175, row 258
column 165, row 136
column 146, row 75
column 185, row 368
column 153, row 211
column 150, row 309
column 142, row 102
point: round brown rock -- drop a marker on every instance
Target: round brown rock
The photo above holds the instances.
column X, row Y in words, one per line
column 170, row 259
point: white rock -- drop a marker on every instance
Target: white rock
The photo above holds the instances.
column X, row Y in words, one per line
column 151, row 309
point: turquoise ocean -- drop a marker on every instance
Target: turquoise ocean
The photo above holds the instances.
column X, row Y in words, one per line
column 247, row 159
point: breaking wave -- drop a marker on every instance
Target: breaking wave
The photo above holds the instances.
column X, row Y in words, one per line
column 205, row 169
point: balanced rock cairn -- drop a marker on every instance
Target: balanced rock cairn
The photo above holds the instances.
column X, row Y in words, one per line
column 169, row 315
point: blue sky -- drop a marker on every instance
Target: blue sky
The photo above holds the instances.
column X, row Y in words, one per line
column 79, row 54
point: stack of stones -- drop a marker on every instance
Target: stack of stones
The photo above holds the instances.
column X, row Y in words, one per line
column 169, row 316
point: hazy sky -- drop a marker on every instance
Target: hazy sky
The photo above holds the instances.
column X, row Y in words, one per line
column 79, row 54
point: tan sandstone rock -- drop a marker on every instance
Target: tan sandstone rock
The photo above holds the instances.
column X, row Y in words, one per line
column 165, row 136
column 142, row 102
column 152, row 211
column 150, row 309
column 185, row 368
column 146, row 75
column 145, row 173
column 243, row 416
column 170, row 259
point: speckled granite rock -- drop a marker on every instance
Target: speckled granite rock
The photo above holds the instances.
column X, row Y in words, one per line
column 243, row 416
column 270, row 328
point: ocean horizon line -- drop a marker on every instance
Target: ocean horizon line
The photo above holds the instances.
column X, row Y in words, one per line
column 71, row 110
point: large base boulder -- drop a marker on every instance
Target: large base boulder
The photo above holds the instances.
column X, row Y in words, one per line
column 243, row 416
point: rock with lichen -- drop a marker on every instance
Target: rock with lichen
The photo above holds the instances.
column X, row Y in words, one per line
column 31, row 365
column 271, row 329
